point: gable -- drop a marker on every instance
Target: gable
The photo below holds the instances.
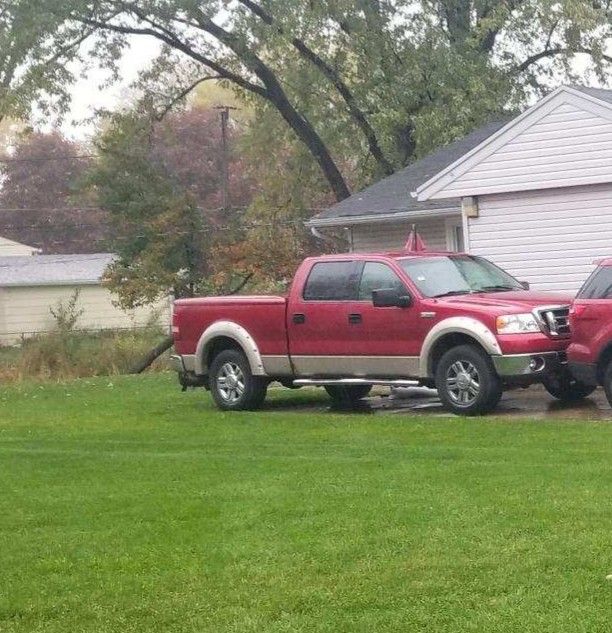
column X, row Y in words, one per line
column 565, row 140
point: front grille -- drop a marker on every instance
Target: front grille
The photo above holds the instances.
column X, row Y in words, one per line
column 554, row 320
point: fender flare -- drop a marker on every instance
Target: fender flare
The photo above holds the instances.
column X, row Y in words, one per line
column 228, row 329
column 457, row 325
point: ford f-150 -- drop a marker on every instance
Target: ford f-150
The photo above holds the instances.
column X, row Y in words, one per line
column 451, row 321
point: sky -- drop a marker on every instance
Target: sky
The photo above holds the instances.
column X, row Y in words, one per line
column 88, row 95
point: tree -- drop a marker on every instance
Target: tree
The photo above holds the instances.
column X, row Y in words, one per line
column 39, row 201
column 159, row 181
column 389, row 74
column 34, row 51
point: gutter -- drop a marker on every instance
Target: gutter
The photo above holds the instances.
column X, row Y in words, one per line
column 346, row 221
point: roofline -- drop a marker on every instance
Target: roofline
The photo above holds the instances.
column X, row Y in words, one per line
column 37, row 284
column 383, row 217
column 428, row 188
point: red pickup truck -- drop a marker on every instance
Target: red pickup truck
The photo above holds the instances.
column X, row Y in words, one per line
column 451, row 321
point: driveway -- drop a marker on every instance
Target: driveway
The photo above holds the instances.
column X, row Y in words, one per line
column 534, row 402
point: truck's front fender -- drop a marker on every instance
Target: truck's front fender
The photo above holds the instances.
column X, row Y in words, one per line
column 231, row 330
column 457, row 325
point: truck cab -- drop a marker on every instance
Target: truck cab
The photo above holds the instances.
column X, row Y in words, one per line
column 451, row 321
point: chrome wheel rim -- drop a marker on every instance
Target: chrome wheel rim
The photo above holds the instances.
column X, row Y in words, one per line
column 463, row 383
column 230, row 383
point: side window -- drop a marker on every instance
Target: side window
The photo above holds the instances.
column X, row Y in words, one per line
column 598, row 285
column 330, row 281
column 378, row 276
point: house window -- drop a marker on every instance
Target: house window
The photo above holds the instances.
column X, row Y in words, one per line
column 454, row 235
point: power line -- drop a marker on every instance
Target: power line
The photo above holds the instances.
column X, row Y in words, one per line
column 42, row 159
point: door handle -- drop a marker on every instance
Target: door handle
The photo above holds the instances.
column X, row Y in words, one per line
column 354, row 318
column 299, row 318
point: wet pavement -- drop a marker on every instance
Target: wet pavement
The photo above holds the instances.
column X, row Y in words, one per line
column 534, row 402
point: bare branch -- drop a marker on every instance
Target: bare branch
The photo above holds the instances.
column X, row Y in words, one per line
column 552, row 52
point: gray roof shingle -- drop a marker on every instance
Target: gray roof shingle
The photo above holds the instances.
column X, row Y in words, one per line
column 50, row 270
column 599, row 93
column 393, row 193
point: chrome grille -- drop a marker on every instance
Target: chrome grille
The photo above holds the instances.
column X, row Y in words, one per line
column 554, row 320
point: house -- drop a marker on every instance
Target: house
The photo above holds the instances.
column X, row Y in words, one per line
column 533, row 194
column 31, row 286
column 9, row 248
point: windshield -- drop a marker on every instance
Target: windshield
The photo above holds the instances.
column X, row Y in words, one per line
column 457, row 275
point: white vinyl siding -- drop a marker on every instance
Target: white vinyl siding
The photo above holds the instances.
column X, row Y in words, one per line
column 569, row 143
column 392, row 236
column 26, row 310
column 549, row 238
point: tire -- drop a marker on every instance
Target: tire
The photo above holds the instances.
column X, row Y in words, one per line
column 232, row 385
column 347, row 395
column 467, row 382
column 564, row 387
column 607, row 383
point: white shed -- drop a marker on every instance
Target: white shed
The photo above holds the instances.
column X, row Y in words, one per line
column 31, row 286
column 537, row 194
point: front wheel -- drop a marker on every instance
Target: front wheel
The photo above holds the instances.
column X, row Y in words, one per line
column 347, row 394
column 467, row 382
column 232, row 385
column 564, row 387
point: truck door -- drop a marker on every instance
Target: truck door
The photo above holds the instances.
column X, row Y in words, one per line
column 318, row 319
column 388, row 339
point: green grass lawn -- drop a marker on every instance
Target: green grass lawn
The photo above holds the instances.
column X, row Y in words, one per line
column 126, row 505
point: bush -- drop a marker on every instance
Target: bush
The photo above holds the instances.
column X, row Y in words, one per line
column 65, row 353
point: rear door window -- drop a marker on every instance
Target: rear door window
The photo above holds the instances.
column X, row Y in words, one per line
column 331, row 281
column 598, row 285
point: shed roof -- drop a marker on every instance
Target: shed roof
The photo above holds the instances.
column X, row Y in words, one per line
column 393, row 194
column 53, row 270
column 603, row 94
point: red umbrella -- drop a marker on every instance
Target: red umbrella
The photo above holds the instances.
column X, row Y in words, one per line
column 415, row 243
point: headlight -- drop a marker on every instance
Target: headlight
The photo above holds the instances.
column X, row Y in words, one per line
column 517, row 324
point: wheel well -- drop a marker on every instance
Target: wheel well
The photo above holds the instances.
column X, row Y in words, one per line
column 604, row 358
column 446, row 342
column 218, row 345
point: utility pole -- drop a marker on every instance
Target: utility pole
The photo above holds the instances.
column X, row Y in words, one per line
column 224, row 111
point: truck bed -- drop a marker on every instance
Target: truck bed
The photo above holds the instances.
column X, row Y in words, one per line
column 264, row 316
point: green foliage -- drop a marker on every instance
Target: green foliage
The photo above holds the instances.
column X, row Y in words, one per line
column 67, row 313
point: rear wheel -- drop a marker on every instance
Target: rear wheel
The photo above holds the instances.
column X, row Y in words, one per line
column 467, row 382
column 347, row 394
column 607, row 383
column 232, row 385
column 563, row 386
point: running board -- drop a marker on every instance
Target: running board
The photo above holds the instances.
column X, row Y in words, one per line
column 321, row 382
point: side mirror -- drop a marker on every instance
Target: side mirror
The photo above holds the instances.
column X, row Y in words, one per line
column 526, row 285
column 390, row 298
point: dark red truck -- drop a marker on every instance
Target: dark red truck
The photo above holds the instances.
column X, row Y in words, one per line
column 446, row 320
column 590, row 353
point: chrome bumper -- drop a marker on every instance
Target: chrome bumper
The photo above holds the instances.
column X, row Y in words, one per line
column 528, row 364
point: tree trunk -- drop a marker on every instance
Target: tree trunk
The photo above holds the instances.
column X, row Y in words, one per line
column 152, row 356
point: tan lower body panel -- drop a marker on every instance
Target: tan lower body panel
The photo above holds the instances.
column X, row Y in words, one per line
column 358, row 366
column 277, row 365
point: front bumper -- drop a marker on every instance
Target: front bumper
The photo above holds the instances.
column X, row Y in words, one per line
column 528, row 365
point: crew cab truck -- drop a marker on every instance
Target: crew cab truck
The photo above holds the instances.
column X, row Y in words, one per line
column 451, row 321
column 590, row 352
